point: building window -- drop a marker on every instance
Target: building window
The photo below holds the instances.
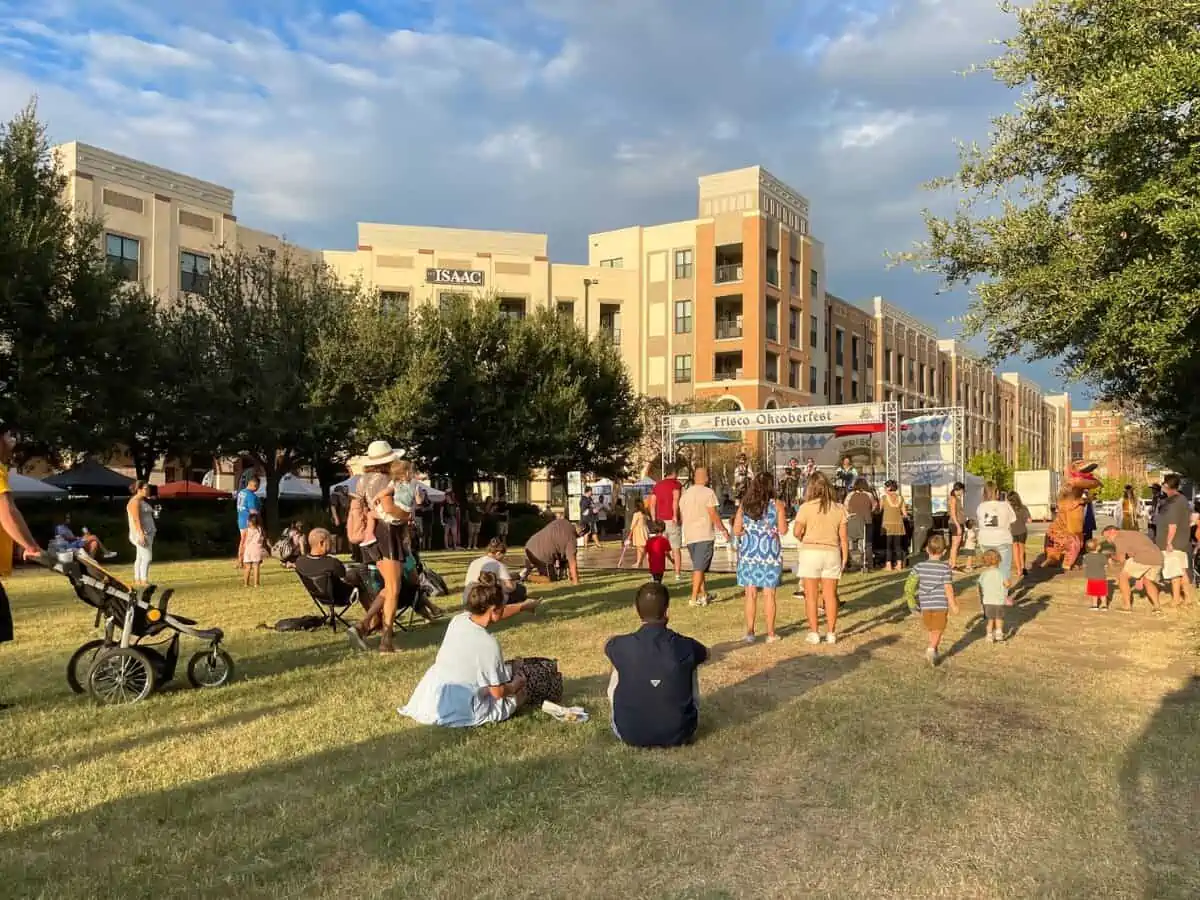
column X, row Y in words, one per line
column 814, row 281
column 854, row 352
column 772, row 266
column 794, row 375
column 395, row 302
column 912, row 378
column 853, row 390
column 794, row 327
column 123, row 254
column 566, row 309
column 900, row 370
column 812, row 331
column 683, row 263
column 870, row 355
column 193, row 272
column 812, row 379
column 839, row 346
column 837, row 389
column 513, row 307
column 617, row 262
column 683, row 316
column 773, row 320
column 887, row 366
column 773, row 367
column 870, row 393
column 794, row 275
column 683, row 368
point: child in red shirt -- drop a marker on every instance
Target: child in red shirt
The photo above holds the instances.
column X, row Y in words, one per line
column 658, row 550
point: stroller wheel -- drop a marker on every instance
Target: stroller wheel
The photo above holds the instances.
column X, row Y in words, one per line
column 210, row 668
column 122, row 675
column 80, row 665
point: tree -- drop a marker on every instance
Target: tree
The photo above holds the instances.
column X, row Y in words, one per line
column 264, row 315
column 992, row 467
column 56, row 296
column 1078, row 229
column 1025, row 460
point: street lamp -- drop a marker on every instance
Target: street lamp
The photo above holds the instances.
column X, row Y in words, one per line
column 587, row 284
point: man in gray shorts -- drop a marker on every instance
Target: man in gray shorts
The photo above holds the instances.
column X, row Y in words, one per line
column 701, row 522
column 664, row 505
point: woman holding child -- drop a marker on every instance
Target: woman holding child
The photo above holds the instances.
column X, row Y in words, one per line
column 758, row 522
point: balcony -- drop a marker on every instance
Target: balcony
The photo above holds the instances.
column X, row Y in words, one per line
column 729, row 328
column 729, row 317
column 729, row 273
column 727, row 366
column 610, row 335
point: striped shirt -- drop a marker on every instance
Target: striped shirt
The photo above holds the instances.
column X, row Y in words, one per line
column 933, row 575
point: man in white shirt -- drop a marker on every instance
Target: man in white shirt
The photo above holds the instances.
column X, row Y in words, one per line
column 698, row 510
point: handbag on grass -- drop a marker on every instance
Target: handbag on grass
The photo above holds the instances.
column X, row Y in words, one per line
column 543, row 681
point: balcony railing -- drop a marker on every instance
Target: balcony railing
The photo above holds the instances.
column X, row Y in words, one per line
column 728, row 328
column 610, row 335
column 728, row 273
column 727, row 374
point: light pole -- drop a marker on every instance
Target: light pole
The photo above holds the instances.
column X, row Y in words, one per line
column 587, row 284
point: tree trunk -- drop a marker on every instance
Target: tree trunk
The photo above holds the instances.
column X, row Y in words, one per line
column 271, row 508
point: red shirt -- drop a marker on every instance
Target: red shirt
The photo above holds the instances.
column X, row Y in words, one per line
column 658, row 548
column 664, row 497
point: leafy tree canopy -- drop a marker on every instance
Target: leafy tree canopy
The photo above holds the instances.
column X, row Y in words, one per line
column 992, row 467
column 1078, row 228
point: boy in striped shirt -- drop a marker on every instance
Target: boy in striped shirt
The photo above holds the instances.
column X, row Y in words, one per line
column 935, row 594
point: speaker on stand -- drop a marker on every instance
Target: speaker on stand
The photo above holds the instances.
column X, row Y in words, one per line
column 922, row 517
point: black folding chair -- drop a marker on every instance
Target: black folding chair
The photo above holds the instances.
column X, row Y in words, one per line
column 332, row 597
column 856, row 534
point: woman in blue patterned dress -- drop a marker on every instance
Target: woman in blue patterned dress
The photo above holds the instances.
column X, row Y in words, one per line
column 758, row 523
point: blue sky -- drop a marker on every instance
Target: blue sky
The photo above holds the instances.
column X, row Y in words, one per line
column 556, row 116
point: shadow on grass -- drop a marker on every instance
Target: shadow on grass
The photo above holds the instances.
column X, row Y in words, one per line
column 1159, row 788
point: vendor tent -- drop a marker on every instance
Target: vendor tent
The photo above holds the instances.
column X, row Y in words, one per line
column 92, row 479
column 434, row 495
column 190, row 490
column 293, row 487
column 24, row 486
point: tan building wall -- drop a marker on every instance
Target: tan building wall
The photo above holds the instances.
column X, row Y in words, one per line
column 909, row 367
column 162, row 227
column 1028, row 422
column 973, row 386
column 1057, row 431
column 1104, row 436
column 853, row 347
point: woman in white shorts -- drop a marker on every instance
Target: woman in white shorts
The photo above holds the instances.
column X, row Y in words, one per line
column 824, row 548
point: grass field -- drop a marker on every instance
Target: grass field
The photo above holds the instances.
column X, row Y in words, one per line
column 1063, row 764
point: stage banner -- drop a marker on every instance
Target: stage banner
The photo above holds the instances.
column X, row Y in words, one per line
column 800, row 417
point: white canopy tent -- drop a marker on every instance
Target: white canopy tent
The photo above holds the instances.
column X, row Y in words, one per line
column 434, row 495
column 293, row 487
column 24, row 486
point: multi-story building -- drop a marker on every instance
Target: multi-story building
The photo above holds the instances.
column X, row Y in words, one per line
column 1026, row 426
column 732, row 303
column 1104, row 436
column 850, row 339
column 1057, row 431
column 161, row 228
column 968, row 382
column 908, row 361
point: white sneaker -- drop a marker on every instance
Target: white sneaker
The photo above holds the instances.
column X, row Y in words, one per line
column 699, row 601
column 749, row 639
column 831, row 638
column 773, row 639
column 931, row 655
column 813, row 638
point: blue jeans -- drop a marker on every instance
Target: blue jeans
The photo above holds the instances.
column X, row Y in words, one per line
column 1006, row 558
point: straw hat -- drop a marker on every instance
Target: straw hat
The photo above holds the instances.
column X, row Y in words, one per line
column 380, row 453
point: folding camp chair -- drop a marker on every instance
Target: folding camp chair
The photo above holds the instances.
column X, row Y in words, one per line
column 332, row 597
column 856, row 532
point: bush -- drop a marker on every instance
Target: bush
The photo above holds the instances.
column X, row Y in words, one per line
column 187, row 529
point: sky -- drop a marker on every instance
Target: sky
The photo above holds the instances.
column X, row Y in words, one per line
column 561, row 117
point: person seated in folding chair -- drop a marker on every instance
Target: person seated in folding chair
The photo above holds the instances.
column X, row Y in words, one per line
column 330, row 583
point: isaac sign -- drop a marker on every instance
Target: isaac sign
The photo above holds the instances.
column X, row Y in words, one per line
column 779, row 419
column 456, row 277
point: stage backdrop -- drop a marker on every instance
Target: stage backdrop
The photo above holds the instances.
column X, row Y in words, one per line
column 926, row 454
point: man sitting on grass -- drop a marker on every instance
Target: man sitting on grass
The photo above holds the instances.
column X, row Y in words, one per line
column 654, row 691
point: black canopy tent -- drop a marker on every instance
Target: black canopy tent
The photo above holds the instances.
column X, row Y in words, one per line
column 92, row 479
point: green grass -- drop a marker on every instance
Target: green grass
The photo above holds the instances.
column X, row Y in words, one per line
column 1064, row 764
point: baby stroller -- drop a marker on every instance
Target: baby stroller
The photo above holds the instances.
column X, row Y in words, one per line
column 124, row 666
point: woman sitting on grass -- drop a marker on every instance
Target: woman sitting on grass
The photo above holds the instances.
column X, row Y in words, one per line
column 469, row 683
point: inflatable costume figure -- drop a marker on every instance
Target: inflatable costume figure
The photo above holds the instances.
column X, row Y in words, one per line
column 1064, row 537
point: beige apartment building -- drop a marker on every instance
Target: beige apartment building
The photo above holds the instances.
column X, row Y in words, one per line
column 161, row 228
column 731, row 304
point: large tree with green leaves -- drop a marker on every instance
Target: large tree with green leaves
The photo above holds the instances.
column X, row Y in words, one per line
column 57, row 317
column 992, row 466
column 265, row 314
column 1078, row 228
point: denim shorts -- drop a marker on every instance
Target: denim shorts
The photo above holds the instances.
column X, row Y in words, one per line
column 702, row 555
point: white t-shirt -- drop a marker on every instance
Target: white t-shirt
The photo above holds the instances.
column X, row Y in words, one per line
column 481, row 565
column 995, row 518
column 452, row 691
column 694, row 506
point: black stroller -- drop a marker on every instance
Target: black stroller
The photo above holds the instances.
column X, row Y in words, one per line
column 125, row 666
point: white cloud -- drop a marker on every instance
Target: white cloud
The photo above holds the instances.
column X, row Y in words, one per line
column 874, row 129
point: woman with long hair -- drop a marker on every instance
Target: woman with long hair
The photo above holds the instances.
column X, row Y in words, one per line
column 142, row 529
column 1020, row 531
column 824, row 548
column 996, row 518
column 958, row 521
column 376, row 489
column 758, row 523
column 895, row 511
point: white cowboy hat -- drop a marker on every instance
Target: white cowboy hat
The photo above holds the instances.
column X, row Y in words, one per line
column 380, row 453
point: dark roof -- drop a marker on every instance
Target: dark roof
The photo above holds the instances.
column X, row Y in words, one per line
column 90, row 478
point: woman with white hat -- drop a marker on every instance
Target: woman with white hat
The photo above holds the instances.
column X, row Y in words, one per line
column 387, row 552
